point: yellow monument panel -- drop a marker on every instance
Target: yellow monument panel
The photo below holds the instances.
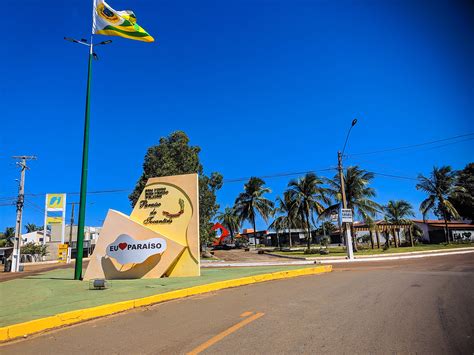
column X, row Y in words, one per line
column 169, row 205
column 160, row 238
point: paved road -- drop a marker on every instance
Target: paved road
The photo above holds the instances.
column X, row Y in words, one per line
column 424, row 306
column 32, row 269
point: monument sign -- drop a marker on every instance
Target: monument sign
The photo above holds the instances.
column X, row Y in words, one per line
column 160, row 237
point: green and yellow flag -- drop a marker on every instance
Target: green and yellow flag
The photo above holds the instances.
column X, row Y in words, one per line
column 107, row 21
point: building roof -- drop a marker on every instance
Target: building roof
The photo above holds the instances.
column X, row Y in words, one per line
column 440, row 223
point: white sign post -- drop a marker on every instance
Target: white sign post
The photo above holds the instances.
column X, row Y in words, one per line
column 346, row 215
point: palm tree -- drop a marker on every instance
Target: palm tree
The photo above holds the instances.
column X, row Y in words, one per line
column 277, row 225
column 287, row 206
column 230, row 220
column 358, row 195
column 439, row 186
column 7, row 237
column 31, row 227
column 397, row 212
column 252, row 201
column 308, row 194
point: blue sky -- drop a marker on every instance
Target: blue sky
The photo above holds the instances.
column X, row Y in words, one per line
column 264, row 87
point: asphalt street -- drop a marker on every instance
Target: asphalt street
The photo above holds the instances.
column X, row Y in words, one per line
column 405, row 306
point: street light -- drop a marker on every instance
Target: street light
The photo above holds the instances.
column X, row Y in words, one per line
column 350, row 251
column 354, row 121
column 85, row 157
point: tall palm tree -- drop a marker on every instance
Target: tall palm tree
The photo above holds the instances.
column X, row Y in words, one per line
column 309, row 195
column 440, row 185
column 358, row 195
column 288, row 207
column 230, row 220
column 252, row 201
column 398, row 212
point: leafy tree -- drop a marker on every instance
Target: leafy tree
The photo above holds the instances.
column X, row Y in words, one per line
column 230, row 220
column 463, row 198
column 417, row 234
column 31, row 227
column 37, row 250
column 358, row 195
column 398, row 212
column 7, row 237
column 309, row 196
column 439, row 186
column 174, row 156
column 252, row 201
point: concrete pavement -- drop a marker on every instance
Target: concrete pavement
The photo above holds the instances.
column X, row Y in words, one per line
column 418, row 305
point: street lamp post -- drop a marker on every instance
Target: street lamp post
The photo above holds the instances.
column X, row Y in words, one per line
column 350, row 251
column 85, row 158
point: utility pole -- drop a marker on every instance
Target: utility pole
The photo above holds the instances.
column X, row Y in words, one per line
column 350, row 252
column 19, row 211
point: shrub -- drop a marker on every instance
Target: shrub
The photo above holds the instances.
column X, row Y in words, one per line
column 325, row 241
column 34, row 249
column 311, row 251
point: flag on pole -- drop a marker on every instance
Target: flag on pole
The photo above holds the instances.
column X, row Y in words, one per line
column 107, row 21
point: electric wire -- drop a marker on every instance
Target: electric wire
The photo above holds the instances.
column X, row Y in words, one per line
column 416, row 145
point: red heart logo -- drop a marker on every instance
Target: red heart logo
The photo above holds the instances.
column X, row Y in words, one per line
column 123, row 245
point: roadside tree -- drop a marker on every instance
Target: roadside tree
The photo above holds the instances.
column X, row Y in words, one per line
column 174, row 156
column 252, row 202
column 309, row 196
column 439, row 187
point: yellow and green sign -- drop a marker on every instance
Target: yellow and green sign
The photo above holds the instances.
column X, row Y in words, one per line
column 160, row 237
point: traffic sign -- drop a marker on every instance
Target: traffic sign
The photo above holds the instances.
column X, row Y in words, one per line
column 346, row 215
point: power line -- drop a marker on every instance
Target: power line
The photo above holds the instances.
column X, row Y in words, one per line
column 394, row 176
column 227, row 181
column 417, row 145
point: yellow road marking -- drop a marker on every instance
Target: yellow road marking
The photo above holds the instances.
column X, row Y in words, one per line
column 245, row 314
column 223, row 334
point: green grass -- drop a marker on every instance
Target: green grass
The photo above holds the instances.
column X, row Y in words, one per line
column 340, row 251
column 56, row 292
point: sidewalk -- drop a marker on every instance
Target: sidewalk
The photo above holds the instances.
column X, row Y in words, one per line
column 378, row 257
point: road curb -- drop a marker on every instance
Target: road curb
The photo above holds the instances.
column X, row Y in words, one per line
column 378, row 257
column 18, row 330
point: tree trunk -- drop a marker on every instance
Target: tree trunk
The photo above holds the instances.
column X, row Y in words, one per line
column 231, row 235
column 394, row 237
column 254, row 232
column 309, row 230
column 410, row 235
column 278, row 240
column 378, row 237
column 371, row 238
column 289, row 235
column 398, row 236
column 354, row 238
column 341, row 233
column 446, row 230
